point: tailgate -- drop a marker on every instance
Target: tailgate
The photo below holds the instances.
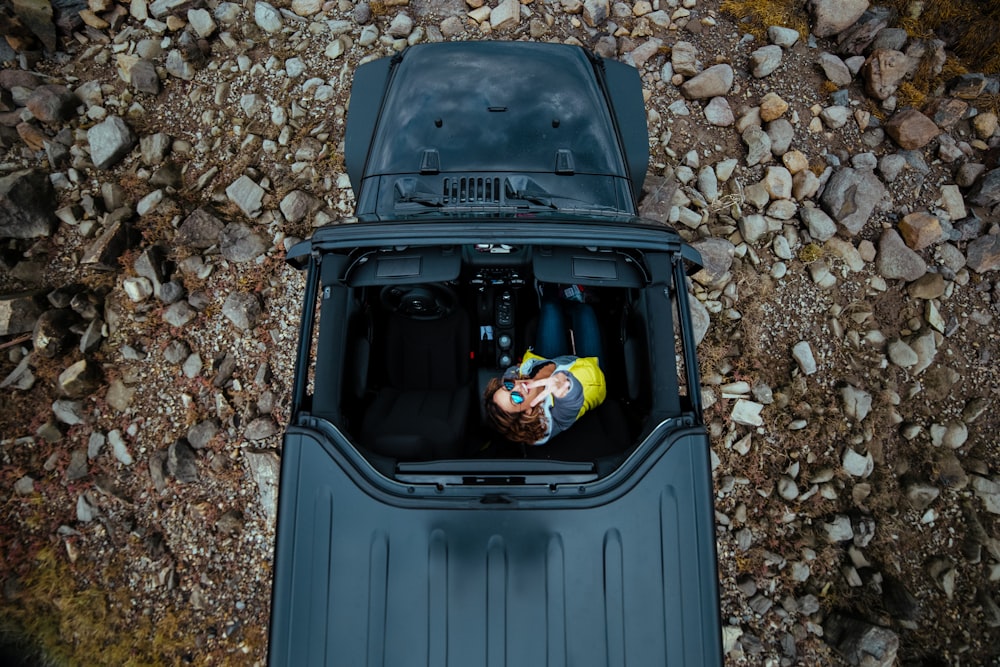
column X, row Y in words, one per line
column 624, row 577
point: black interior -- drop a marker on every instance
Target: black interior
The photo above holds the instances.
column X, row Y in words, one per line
column 417, row 354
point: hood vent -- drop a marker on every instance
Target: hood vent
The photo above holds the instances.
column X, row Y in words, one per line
column 471, row 190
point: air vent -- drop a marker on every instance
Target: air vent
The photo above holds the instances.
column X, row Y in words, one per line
column 471, row 190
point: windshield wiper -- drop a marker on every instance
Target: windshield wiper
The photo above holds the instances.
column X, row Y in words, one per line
column 425, row 198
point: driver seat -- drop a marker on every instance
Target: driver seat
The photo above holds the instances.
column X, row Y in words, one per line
column 422, row 411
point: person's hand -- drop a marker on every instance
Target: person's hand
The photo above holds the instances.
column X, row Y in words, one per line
column 557, row 385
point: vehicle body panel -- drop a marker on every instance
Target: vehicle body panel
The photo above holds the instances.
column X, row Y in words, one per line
column 621, row 577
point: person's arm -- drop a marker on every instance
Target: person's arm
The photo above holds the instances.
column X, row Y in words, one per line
column 567, row 402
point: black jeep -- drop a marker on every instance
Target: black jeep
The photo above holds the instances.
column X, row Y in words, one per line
column 409, row 532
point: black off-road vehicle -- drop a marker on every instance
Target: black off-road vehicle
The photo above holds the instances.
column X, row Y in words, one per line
column 409, row 532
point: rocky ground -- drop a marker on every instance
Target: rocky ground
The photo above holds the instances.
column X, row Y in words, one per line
column 158, row 159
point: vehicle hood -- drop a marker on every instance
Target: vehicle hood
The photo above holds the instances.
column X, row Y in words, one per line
column 495, row 106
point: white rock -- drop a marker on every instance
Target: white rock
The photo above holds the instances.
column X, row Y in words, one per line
column 267, row 17
column 857, row 402
column 803, row 355
column 857, row 465
column 747, row 413
column 119, row 448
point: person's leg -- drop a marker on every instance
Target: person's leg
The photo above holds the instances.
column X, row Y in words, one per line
column 586, row 331
column 551, row 339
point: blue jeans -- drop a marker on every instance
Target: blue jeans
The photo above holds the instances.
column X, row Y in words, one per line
column 552, row 339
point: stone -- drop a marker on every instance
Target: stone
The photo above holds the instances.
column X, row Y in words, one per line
column 921, row 230
column 765, row 60
column 716, row 81
column 684, row 59
column 988, row 491
column 840, row 529
column 902, row 354
column 883, row 71
column 182, row 462
column 897, row 261
column 144, row 78
column 264, row 467
column 179, row 314
column 835, row 117
column 851, row 196
column 986, row 191
column 119, row 448
column 920, row 495
column 830, row 17
column 202, row 433
column 717, row 258
column 506, row 14
column 19, row 312
column 27, row 205
column 246, row 194
column 239, row 243
column 719, row 113
column 778, row 183
column 309, row 7
column 260, row 428
column 856, row 465
column 861, row 643
column 298, row 204
column 81, row 379
column 803, row 355
column 110, row 141
column 200, row 230
column 201, row 22
column 834, row 69
column 178, row 66
column 772, row 107
column 983, row 254
column 857, row 402
column 118, row 236
column 783, row 37
column 242, row 309
column 401, row 26
column 267, row 17
column 747, row 413
column 52, row 103
column 911, row 129
column 821, row 226
column 758, row 145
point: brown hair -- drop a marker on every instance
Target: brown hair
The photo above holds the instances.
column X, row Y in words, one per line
column 527, row 427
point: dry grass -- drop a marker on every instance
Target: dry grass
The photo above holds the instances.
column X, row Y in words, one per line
column 756, row 16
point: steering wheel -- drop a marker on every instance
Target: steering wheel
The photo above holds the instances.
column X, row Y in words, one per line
column 428, row 301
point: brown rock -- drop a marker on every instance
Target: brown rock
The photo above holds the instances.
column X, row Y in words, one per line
column 32, row 137
column 772, row 107
column 911, row 129
column 52, row 103
column 928, row 286
column 920, row 230
column 81, row 379
column 19, row 312
column 883, row 71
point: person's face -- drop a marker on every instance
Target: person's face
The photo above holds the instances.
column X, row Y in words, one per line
column 506, row 399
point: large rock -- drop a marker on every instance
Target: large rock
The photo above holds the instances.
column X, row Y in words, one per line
column 19, row 312
column 264, row 467
column 984, row 253
column 860, row 642
column 27, row 205
column 247, row 195
column 80, row 380
column 199, row 230
column 911, row 129
column 52, row 103
column 851, row 196
column 986, row 191
column 883, row 71
column 896, row 261
column 239, row 243
column 110, row 141
column 715, row 81
column 832, row 16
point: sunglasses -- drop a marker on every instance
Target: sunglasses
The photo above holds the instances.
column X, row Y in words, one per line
column 515, row 396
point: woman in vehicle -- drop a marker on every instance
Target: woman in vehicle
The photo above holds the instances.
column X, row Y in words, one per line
column 549, row 391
